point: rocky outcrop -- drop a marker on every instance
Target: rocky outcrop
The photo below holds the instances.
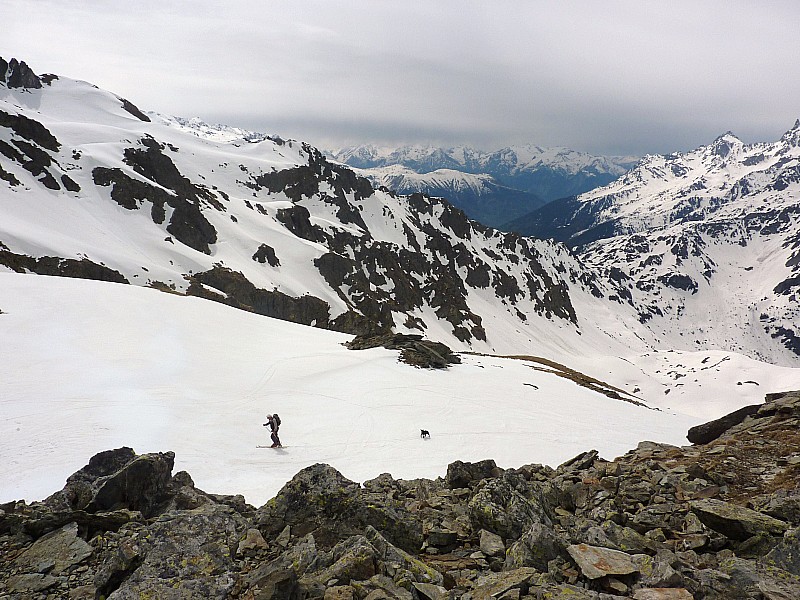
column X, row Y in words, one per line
column 414, row 350
column 718, row 521
column 16, row 74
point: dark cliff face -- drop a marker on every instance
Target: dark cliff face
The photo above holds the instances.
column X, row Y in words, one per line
column 716, row 521
column 16, row 74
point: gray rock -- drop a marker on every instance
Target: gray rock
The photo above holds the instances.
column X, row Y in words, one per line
column 595, row 562
column 786, row 554
column 429, row 591
column 60, row 549
column 736, row 522
column 708, row 432
column 339, row 592
column 389, row 554
column 494, row 586
column 499, row 507
column 117, row 479
column 320, row 500
column 491, row 544
column 442, row 538
column 188, row 554
column 31, row 582
column 20, row 75
column 252, row 541
column 461, row 474
column 662, row 594
column 537, row 547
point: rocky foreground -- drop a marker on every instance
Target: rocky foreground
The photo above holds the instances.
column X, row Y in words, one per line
column 716, row 520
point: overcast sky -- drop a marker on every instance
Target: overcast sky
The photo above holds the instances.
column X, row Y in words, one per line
column 606, row 77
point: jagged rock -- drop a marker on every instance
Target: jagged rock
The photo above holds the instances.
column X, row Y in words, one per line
column 736, row 522
column 252, row 541
column 783, row 505
column 320, row 500
column 461, row 474
column 414, row 350
column 429, row 591
column 17, row 74
column 55, row 552
column 581, row 462
column 500, row 508
column 353, row 559
column 188, row 554
column 595, row 562
column 609, row 534
column 117, row 479
column 389, row 554
column 536, row 548
column 442, row 538
column 339, row 592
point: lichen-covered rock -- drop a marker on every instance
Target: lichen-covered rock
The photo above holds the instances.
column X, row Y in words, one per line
column 498, row 506
column 595, row 562
column 186, row 555
column 736, row 522
column 491, row 544
column 321, row 500
column 536, row 548
column 55, row 552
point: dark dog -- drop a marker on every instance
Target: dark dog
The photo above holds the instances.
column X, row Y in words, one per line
column 424, row 433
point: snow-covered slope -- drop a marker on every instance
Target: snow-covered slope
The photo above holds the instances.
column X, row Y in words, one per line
column 90, row 366
column 707, row 243
column 548, row 173
column 480, row 196
column 92, row 187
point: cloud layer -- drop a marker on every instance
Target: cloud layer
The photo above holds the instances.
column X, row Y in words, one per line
column 606, row 77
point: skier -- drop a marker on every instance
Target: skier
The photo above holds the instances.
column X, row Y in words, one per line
column 274, row 422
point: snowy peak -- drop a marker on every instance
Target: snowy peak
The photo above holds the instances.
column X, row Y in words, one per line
column 708, row 237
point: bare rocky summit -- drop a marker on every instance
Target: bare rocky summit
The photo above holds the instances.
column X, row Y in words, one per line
column 716, row 521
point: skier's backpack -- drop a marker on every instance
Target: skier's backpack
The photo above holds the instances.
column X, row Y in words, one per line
column 277, row 420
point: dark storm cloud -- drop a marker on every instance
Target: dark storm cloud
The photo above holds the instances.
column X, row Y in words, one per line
column 608, row 77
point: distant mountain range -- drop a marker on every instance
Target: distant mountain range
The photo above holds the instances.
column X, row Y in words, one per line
column 510, row 183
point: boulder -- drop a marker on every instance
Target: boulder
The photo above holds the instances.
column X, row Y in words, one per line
column 491, row 544
column 595, row 562
column 736, row 522
column 117, row 479
column 499, row 507
column 321, row 500
column 184, row 555
column 708, row 432
column 536, row 548
column 461, row 474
